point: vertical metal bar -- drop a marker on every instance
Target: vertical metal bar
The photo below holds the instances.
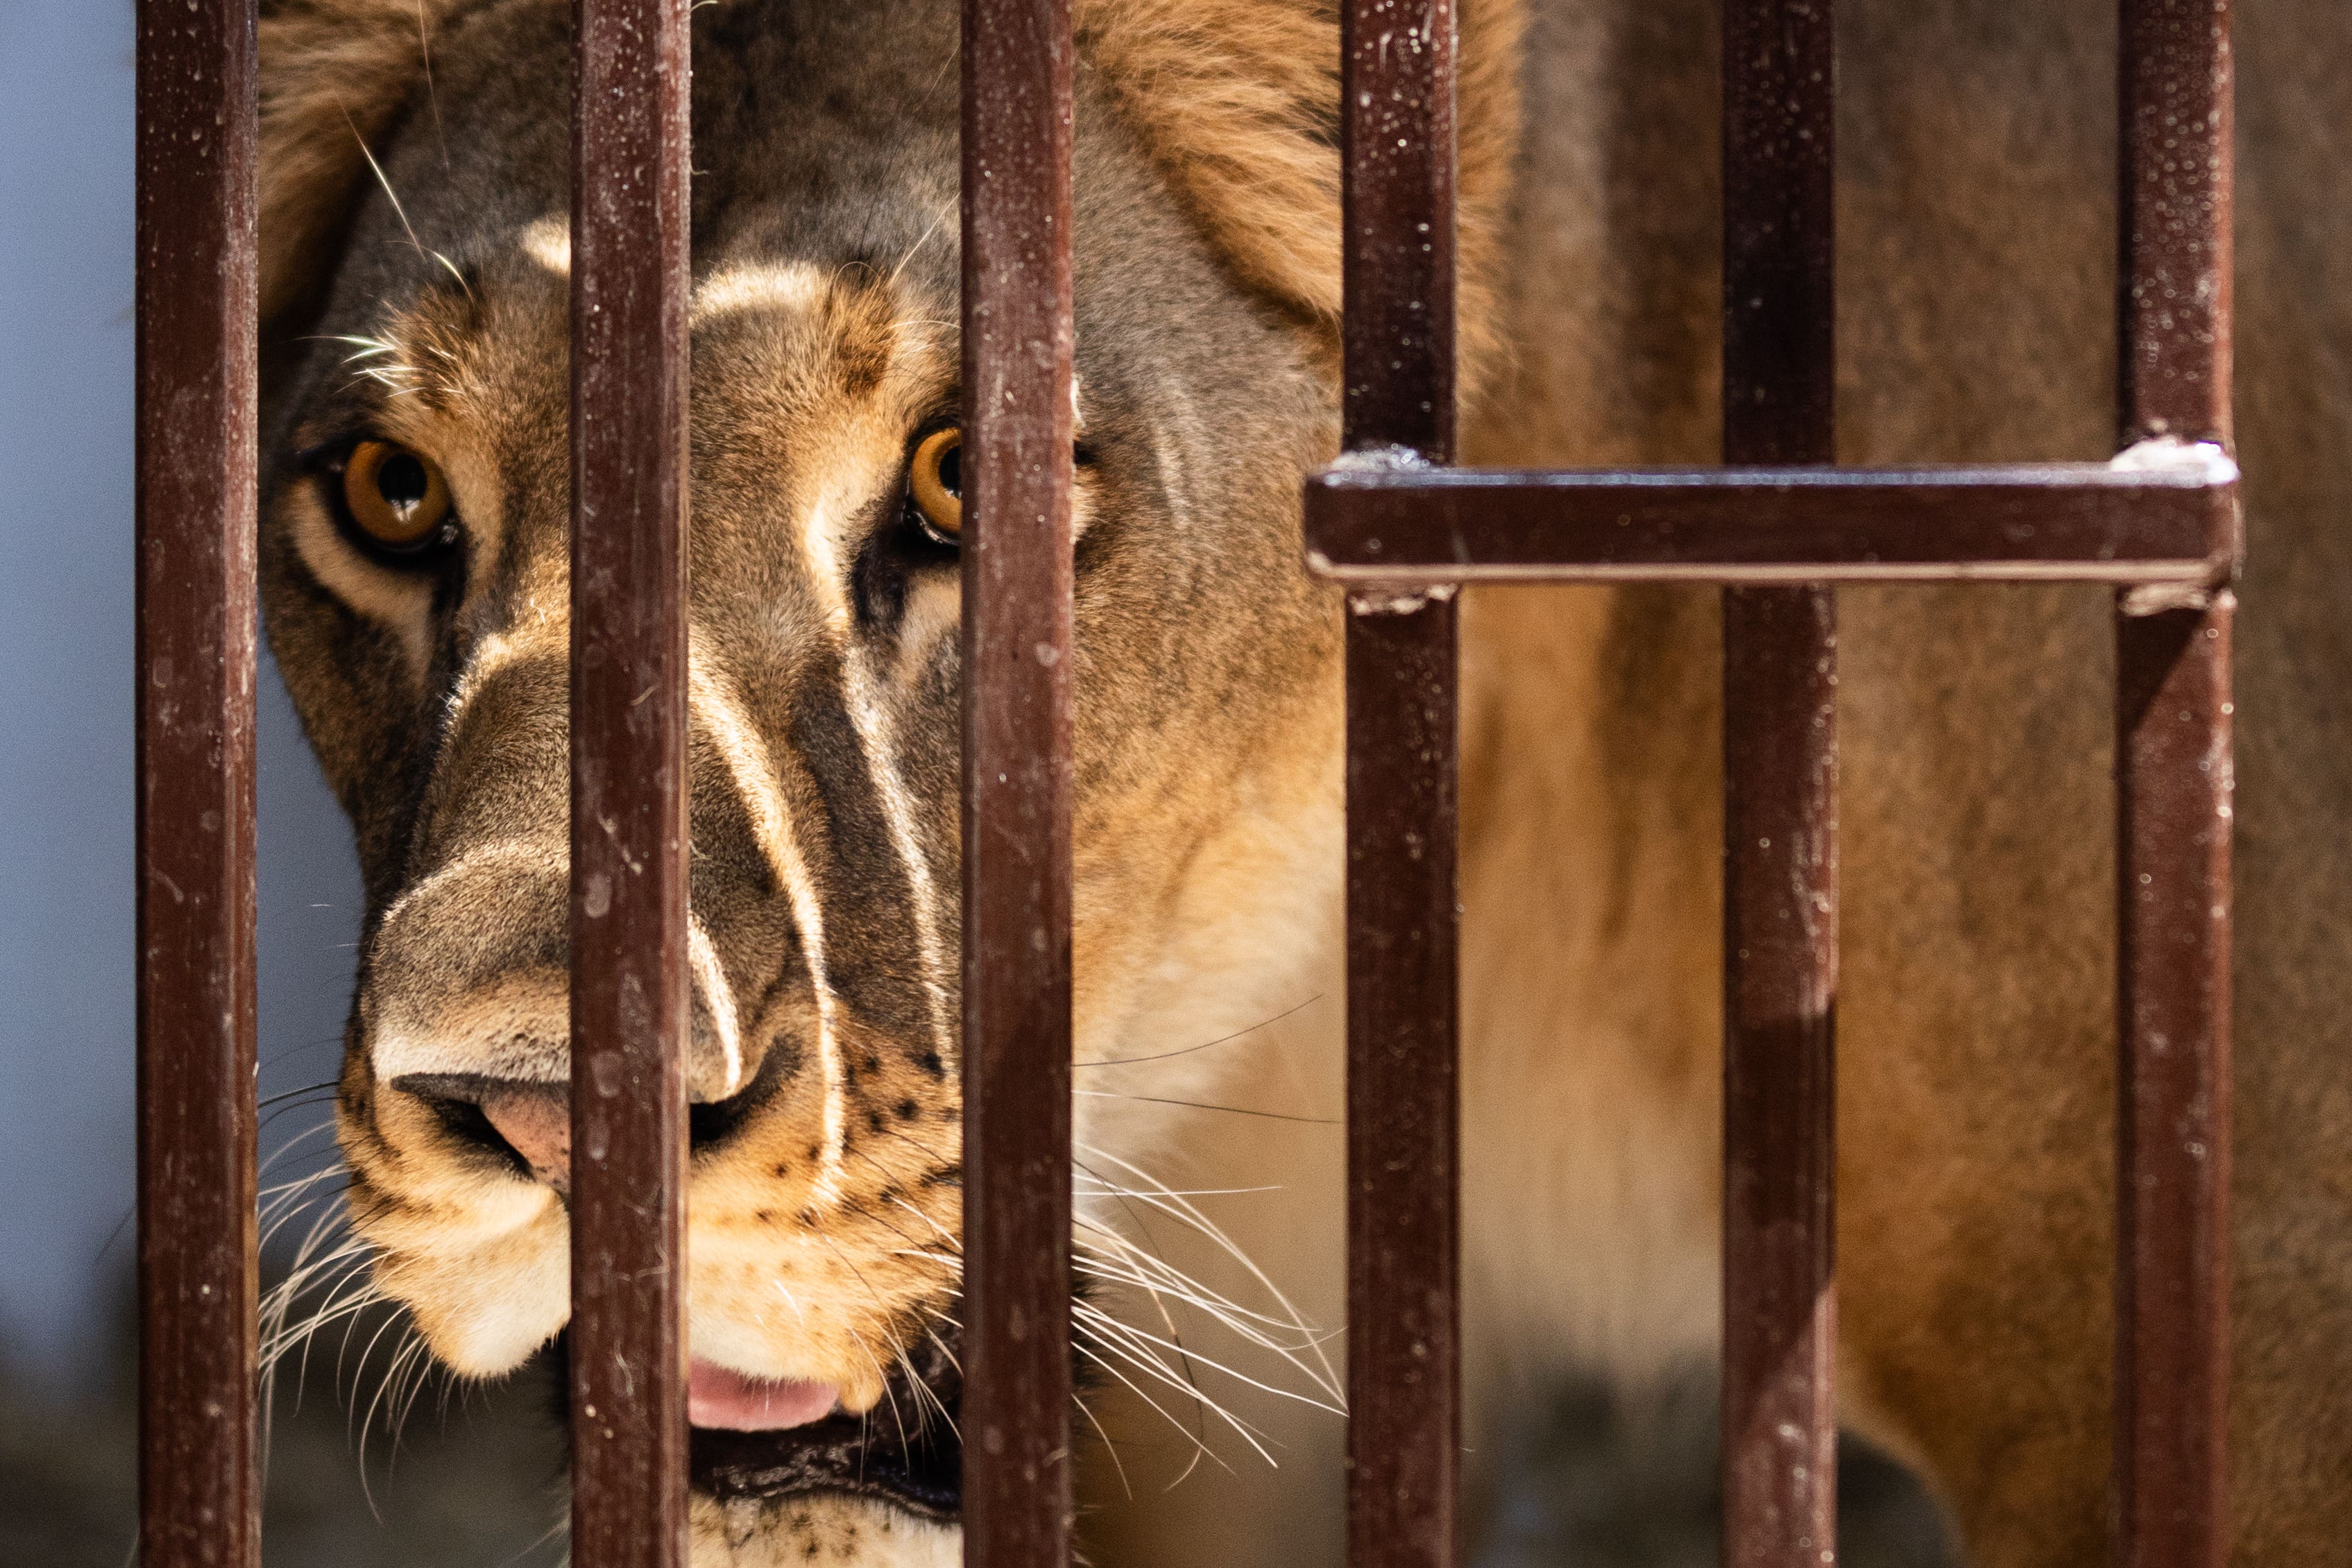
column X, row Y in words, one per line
column 629, row 977
column 2175, row 282
column 1781, row 926
column 2174, row 779
column 199, row 1501
column 1017, row 781
column 1404, row 1433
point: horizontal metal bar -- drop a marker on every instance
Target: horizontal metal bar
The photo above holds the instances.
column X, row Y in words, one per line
column 2171, row 518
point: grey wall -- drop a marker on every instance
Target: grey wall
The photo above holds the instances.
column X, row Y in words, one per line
column 66, row 1003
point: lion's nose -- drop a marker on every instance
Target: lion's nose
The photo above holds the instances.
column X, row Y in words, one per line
column 535, row 1119
column 530, row 1120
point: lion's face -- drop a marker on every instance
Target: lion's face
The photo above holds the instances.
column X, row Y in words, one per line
column 432, row 380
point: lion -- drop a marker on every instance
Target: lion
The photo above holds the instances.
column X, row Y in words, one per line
column 414, row 294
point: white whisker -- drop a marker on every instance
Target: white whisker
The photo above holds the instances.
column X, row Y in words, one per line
column 1150, row 1366
column 1157, row 1197
column 394, row 197
column 1200, row 1446
column 1097, row 1315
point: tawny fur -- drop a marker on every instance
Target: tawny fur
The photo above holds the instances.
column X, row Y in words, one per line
column 334, row 73
column 1976, row 1088
column 1238, row 100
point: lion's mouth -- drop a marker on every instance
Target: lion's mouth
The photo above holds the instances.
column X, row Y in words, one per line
column 904, row 1452
column 752, row 1438
column 919, row 1471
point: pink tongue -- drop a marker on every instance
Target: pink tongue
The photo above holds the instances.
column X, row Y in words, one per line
column 717, row 1398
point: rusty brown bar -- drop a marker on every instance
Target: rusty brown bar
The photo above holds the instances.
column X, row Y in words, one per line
column 2172, row 522
column 629, row 976
column 199, row 1501
column 1780, row 919
column 1404, row 1356
column 1018, row 788
column 2174, row 778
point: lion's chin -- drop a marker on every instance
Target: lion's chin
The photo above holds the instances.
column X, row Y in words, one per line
column 823, row 1528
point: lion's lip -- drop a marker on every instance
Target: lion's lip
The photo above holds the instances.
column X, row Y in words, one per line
column 721, row 1399
column 921, row 1473
column 905, row 1453
column 755, row 1439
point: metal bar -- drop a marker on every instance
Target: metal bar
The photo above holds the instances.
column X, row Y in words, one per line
column 1404, row 1435
column 2173, row 748
column 1017, row 781
column 199, row 1498
column 2075, row 522
column 1404, row 1222
column 2174, row 780
column 630, row 995
column 2175, row 280
column 1780, row 855
column 1780, row 1407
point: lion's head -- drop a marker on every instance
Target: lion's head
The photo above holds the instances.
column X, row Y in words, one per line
column 414, row 566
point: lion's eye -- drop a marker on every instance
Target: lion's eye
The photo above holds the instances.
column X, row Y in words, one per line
column 935, row 485
column 399, row 499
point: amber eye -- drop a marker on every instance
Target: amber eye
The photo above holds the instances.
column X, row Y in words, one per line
column 935, row 484
column 399, row 499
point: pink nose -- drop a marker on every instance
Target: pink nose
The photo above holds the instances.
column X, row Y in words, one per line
column 536, row 1122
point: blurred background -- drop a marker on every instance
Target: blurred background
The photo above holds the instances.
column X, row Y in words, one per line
column 364, row 1470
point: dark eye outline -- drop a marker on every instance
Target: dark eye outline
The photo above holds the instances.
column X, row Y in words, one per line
column 927, row 472
column 918, row 516
column 328, row 464
column 907, row 545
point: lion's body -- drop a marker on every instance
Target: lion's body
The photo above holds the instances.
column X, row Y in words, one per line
column 1976, row 1126
column 1977, row 1081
